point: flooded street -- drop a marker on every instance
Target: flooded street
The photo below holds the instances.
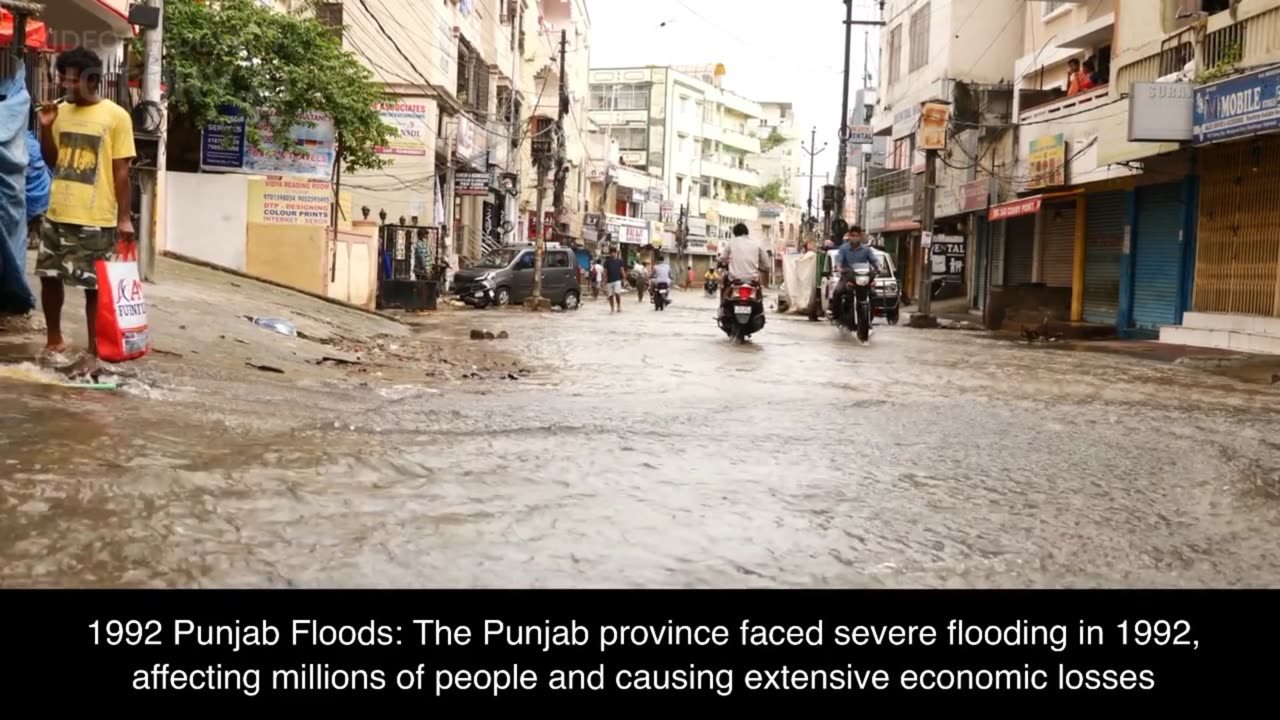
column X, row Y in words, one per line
column 646, row 450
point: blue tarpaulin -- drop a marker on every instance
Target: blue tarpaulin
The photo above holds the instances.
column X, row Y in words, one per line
column 15, row 148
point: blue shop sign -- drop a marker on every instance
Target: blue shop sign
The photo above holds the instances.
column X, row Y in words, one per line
column 1237, row 107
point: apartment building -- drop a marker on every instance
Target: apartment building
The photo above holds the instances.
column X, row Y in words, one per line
column 541, row 78
column 929, row 52
column 779, row 160
column 681, row 125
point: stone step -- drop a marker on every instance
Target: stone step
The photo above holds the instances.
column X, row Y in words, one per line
column 1252, row 324
column 1222, row 339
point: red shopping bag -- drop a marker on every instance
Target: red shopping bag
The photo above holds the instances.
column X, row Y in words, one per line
column 121, row 324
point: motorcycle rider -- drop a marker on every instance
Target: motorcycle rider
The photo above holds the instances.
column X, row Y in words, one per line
column 744, row 261
column 856, row 249
column 661, row 276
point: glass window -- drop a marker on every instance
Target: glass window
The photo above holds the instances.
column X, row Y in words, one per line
column 920, row 38
column 557, row 259
column 895, row 54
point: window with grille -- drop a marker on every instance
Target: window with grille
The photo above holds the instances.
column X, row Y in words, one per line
column 895, row 54
column 473, row 80
column 920, row 38
column 330, row 15
column 629, row 138
column 620, row 97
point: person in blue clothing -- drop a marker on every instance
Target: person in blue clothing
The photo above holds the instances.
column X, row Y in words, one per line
column 853, row 252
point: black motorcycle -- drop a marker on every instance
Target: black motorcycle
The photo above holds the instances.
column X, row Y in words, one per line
column 660, row 294
column 742, row 311
column 853, row 311
column 711, row 286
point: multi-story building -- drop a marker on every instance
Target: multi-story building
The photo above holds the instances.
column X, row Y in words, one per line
column 1143, row 187
column 541, row 77
column 680, row 124
column 1201, row 263
column 928, row 53
column 779, row 160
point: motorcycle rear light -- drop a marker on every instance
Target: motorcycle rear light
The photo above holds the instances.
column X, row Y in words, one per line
column 744, row 293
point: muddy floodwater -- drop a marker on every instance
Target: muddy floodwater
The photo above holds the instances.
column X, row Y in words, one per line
column 643, row 449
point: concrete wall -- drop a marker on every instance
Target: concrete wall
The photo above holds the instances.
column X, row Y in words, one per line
column 207, row 217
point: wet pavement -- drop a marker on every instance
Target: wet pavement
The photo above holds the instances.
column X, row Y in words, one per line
column 647, row 450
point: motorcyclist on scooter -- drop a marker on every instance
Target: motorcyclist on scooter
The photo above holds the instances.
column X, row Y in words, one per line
column 743, row 259
column 660, row 277
column 854, row 251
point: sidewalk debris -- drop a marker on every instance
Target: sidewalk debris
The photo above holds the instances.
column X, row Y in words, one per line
column 280, row 325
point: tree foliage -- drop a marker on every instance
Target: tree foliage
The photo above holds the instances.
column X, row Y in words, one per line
column 772, row 192
column 772, row 140
column 271, row 65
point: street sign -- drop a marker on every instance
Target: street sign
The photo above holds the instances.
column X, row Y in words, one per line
column 926, row 239
column 861, row 134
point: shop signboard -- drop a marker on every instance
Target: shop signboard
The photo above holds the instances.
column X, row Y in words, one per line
column 471, row 183
column 1048, row 162
column 946, row 256
column 305, row 150
column 1238, row 106
column 876, row 208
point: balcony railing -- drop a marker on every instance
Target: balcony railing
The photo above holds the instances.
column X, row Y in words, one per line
column 1078, row 103
column 739, row 176
column 1250, row 42
column 888, row 182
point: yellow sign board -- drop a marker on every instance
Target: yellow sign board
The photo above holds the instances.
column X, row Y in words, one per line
column 1047, row 162
column 294, row 201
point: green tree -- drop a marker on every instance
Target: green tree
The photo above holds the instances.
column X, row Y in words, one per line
column 771, row 141
column 271, row 65
column 772, row 192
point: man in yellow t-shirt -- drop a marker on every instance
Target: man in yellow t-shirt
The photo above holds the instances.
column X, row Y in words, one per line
column 88, row 143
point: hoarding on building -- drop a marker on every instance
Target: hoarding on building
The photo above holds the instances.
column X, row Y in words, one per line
column 408, row 122
column 1047, row 161
column 1236, row 107
column 876, row 208
column 293, row 201
column 901, row 212
column 471, row 183
column 1161, row 112
column 305, row 151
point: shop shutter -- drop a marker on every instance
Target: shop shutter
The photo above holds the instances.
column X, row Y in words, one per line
column 1104, row 247
column 1157, row 256
column 998, row 230
column 1057, row 249
column 1019, row 242
column 1238, row 238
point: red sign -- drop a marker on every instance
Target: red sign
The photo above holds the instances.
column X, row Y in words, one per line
column 548, row 227
column 973, row 195
column 1015, row 208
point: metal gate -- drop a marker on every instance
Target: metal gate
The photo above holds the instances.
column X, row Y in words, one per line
column 1019, row 243
column 1237, row 267
column 1057, row 248
column 1104, row 247
column 405, row 270
column 1157, row 269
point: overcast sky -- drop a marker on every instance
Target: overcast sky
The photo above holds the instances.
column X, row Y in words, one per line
column 772, row 50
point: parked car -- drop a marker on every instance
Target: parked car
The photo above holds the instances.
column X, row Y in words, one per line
column 506, row 277
column 886, row 293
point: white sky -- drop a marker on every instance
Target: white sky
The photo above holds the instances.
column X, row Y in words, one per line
column 772, row 50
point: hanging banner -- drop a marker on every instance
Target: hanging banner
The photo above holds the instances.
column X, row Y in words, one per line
column 304, row 151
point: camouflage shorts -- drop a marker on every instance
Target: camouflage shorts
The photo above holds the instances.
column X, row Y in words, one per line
column 71, row 251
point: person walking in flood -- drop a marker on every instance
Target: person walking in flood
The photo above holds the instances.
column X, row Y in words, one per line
column 614, row 271
column 87, row 141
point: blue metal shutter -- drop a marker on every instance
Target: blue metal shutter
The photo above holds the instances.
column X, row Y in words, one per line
column 1157, row 256
column 1104, row 246
column 1019, row 242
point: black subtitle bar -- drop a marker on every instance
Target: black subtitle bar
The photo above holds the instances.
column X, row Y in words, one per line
column 558, row 649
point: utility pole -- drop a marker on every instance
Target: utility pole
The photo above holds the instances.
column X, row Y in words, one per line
column 153, row 53
column 843, row 160
column 562, row 167
column 925, row 291
column 543, row 157
column 812, row 153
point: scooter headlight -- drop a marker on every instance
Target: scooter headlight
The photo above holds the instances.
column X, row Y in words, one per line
column 862, row 280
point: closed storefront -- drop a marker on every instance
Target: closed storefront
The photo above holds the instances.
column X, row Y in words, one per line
column 1237, row 267
column 1057, row 243
column 1019, row 248
column 1104, row 248
column 1157, row 256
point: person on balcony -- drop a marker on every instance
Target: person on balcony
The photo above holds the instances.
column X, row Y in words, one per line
column 1090, row 77
column 1073, row 77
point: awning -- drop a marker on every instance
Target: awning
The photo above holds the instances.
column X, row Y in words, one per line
column 1026, row 206
column 37, row 38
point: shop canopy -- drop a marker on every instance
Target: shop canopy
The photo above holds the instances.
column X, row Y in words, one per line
column 37, row 37
column 1025, row 206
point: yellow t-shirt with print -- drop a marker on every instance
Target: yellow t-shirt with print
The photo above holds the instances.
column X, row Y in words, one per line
column 89, row 138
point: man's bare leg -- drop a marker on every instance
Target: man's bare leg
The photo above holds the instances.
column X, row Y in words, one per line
column 51, row 298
